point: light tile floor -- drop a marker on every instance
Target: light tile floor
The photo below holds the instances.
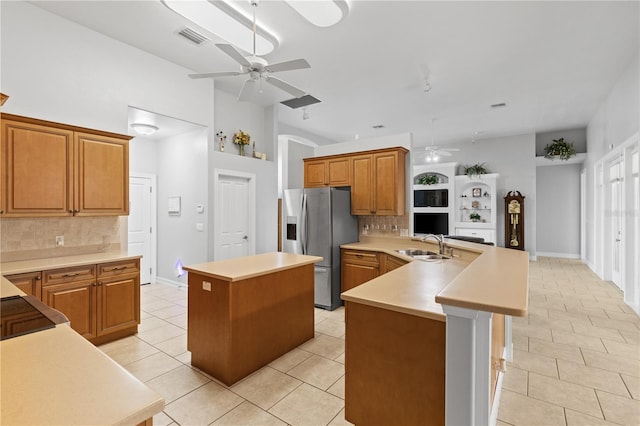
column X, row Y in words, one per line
column 576, row 362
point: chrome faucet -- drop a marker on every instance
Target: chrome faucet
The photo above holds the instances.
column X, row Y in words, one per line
column 438, row 238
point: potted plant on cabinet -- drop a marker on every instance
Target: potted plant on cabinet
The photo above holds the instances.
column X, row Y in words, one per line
column 475, row 217
column 475, row 170
column 559, row 148
column 428, row 180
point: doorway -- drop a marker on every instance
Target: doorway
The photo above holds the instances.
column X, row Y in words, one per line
column 234, row 224
column 142, row 224
column 617, row 221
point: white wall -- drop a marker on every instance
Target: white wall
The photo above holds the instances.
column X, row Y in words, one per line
column 182, row 166
column 617, row 119
column 558, row 211
column 143, row 156
column 403, row 140
column 512, row 157
column 231, row 116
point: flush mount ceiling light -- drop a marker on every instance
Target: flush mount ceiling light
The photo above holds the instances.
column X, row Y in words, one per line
column 223, row 20
column 144, row 129
column 321, row 13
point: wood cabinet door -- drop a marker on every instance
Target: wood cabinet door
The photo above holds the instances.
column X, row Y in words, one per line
column 386, row 184
column 102, row 175
column 37, row 170
column 355, row 274
column 77, row 300
column 339, row 171
column 361, row 185
column 392, row 262
column 315, row 173
column 29, row 282
column 119, row 304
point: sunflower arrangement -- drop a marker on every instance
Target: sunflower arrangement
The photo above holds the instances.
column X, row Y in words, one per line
column 241, row 139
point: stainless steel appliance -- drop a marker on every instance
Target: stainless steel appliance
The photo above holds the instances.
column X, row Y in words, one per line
column 316, row 222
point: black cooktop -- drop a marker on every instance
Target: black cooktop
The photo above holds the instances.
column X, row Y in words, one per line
column 20, row 317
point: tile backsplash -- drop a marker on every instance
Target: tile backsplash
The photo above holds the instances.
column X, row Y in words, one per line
column 32, row 238
column 382, row 226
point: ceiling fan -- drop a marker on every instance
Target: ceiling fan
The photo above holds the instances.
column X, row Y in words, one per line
column 433, row 153
column 257, row 68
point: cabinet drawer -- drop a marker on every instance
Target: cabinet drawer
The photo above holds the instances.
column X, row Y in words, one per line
column 65, row 275
column 361, row 257
column 118, row 268
column 487, row 234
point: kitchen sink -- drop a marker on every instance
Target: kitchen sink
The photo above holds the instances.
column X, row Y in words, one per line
column 422, row 254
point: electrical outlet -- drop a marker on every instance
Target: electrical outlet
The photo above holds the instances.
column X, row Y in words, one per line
column 59, row 240
column 206, row 285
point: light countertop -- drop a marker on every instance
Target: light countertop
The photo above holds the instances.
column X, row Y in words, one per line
column 56, row 377
column 479, row 277
column 22, row 266
column 243, row 268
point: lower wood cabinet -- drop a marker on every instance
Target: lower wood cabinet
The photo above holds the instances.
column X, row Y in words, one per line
column 101, row 301
column 392, row 262
column 30, row 283
column 358, row 267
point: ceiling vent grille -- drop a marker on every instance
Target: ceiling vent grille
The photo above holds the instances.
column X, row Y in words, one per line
column 192, row 35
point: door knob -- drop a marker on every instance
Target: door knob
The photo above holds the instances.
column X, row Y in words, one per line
column 246, row 238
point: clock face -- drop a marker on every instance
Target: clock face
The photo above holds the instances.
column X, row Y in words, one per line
column 514, row 207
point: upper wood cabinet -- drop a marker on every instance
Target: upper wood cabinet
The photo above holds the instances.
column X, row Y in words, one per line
column 52, row 169
column 378, row 183
column 377, row 179
column 327, row 171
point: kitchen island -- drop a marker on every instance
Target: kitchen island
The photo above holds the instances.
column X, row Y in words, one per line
column 56, row 377
column 425, row 343
column 245, row 312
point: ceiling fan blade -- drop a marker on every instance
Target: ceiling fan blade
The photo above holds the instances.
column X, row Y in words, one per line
column 247, row 90
column 292, row 90
column 296, row 64
column 215, row 74
column 234, row 54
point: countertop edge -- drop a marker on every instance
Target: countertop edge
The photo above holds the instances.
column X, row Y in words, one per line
column 34, row 265
column 203, row 268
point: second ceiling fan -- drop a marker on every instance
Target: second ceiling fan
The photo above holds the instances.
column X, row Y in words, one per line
column 257, row 68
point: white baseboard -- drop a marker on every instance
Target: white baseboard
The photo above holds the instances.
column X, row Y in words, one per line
column 172, row 283
column 560, row 255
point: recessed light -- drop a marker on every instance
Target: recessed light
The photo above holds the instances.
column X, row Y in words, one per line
column 378, row 126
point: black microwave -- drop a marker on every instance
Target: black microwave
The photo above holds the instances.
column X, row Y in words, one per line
column 431, row 198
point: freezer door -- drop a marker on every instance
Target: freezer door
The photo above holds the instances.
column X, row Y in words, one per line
column 317, row 220
column 292, row 221
column 323, row 287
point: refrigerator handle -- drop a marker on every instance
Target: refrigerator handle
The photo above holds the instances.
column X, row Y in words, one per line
column 303, row 224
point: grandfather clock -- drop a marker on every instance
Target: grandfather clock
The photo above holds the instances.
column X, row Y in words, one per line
column 514, row 220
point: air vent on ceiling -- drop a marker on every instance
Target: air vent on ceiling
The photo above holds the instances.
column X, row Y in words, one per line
column 302, row 101
column 192, row 35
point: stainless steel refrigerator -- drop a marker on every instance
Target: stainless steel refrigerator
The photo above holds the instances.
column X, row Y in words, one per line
column 316, row 222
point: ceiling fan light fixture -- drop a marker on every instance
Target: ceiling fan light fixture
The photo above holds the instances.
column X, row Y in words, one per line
column 226, row 22
column 144, row 129
column 322, row 13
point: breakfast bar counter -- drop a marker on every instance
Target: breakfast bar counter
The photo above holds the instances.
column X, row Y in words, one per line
column 245, row 312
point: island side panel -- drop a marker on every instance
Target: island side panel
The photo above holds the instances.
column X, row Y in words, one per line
column 209, row 324
column 271, row 315
column 395, row 367
column 497, row 351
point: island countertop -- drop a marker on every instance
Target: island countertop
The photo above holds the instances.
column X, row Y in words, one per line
column 479, row 277
column 242, row 268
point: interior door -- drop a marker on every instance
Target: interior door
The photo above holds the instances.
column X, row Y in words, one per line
column 140, row 229
column 615, row 174
column 234, row 233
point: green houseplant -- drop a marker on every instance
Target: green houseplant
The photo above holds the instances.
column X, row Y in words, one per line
column 475, row 170
column 559, row 148
column 475, row 217
column 428, row 180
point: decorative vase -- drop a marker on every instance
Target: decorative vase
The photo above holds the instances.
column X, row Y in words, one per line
column 241, row 148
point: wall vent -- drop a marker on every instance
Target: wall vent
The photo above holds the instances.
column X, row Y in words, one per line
column 192, row 35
